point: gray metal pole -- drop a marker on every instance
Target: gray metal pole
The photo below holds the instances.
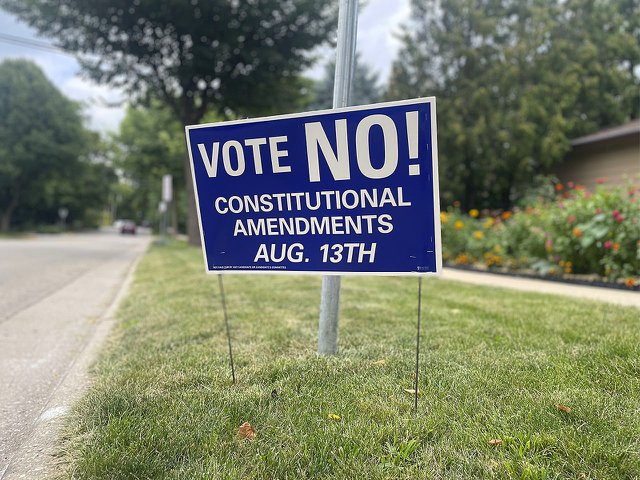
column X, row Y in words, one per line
column 345, row 62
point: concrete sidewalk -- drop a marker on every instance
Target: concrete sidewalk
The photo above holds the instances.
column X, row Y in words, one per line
column 58, row 295
column 609, row 295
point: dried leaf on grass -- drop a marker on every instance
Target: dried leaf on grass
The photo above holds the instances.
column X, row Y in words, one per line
column 563, row 408
column 412, row 391
column 246, row 431
column 495, row 442
column 379, row 362
column 333, row 416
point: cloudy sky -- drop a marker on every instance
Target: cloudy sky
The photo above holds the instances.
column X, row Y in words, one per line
column 377, row 23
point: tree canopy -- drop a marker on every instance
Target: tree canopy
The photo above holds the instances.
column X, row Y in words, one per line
column 240, row 58
column 515, row 80
column 44, row 152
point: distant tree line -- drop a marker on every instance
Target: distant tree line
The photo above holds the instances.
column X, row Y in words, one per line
column 48, row 160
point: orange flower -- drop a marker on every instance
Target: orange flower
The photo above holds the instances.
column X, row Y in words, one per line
column 616, row 246
column 474, row 213
column 462, row 259
column 577, row 232
column 506, row 215
column 630, row 282
column 559, row 187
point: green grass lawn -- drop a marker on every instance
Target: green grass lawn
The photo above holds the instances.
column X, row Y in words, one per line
column 495, row 364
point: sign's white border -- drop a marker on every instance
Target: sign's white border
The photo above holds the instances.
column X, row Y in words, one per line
column 436, row 187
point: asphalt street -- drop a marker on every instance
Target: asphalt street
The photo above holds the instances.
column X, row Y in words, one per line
column 53, row 291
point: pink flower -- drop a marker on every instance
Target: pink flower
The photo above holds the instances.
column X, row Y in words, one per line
column 600, row 180
column 615, row 213
column 571, row 218
column 570, row 184
column 619, row 218
column 608, row 244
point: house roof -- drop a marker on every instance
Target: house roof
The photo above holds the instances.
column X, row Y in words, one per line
column 628, row 129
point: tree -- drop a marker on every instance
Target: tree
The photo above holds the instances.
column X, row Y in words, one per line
column 365, row 87
column 41, row 136
column 515, row 80
column 147, row 147
column 238, row 57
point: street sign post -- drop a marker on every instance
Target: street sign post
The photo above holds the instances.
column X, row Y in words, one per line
column 344, row 191
column 167, row 188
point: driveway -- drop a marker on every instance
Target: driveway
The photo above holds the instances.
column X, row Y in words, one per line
column 53, row 292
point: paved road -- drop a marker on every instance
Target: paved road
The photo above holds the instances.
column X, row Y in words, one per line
column 53, row 289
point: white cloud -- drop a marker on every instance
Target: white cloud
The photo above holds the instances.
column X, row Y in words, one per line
column 378, row 23
column 104, row 105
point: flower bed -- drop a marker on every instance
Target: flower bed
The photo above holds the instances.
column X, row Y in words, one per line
column 574, row 234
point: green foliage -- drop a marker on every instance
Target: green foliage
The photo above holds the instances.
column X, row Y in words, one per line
column 150, row 144
column 578, row 232
column 45, row 160
column 365, row 87
column 514, row 81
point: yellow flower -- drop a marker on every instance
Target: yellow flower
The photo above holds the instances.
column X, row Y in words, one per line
column 459, row 225
column 444, row 218
column 333, row 416
column 478, row 235
column 474, row 213
column 488, row 223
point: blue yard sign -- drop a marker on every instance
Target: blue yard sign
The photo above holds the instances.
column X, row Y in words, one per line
column 350, row 190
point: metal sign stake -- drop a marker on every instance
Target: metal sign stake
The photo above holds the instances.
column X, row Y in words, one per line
column 345, row 62
column 226, row 323
column 415, row 386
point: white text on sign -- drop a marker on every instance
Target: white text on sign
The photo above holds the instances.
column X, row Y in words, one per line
column 237, row 157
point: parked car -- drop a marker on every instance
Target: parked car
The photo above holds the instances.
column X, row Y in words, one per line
column 128, row 226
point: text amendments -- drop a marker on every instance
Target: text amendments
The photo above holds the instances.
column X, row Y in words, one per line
column 352, row 190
